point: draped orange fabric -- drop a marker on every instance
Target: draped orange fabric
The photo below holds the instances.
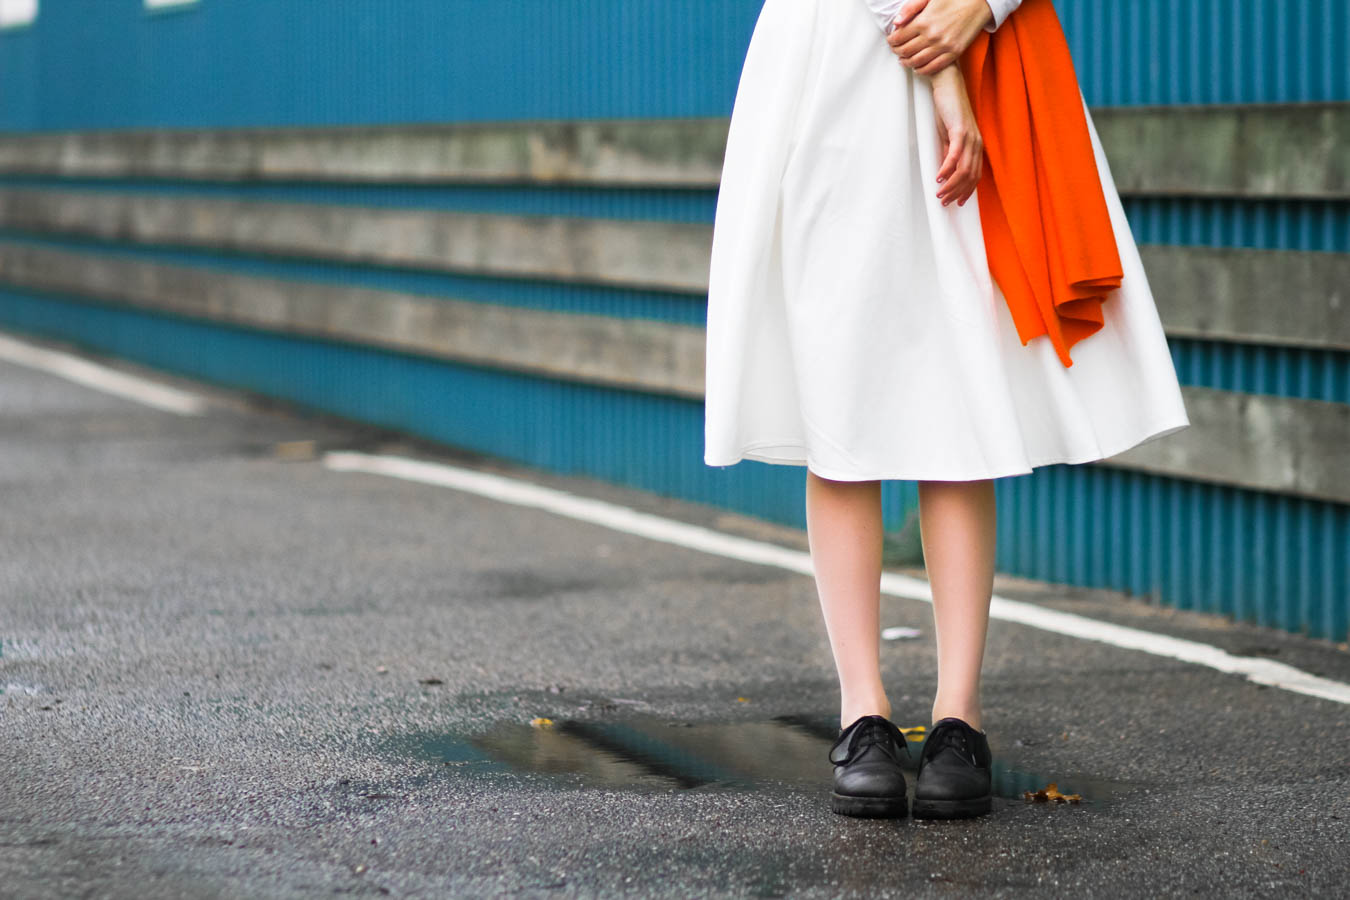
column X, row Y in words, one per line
column 1047, row 230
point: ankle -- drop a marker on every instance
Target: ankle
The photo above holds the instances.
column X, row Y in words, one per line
column 853, row 711
column 970, row 714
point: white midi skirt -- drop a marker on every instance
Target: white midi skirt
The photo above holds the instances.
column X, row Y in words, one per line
column 853, row 326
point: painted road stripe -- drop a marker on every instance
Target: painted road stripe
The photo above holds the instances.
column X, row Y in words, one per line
column 101, row 378
column 695, row 537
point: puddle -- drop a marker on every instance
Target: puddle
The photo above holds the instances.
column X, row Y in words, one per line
column 644, row 752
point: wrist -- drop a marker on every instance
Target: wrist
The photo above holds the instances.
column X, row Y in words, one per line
column 951, row 72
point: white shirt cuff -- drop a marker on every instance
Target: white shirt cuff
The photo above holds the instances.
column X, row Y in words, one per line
column 1001, row 10
column 885, row 12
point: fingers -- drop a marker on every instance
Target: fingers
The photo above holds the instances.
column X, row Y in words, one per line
column 900, row 36
column 961, row 169
column 922, row 58
column 940, row 62
column 926, row 59
column 951, row 161
column 909, row 41
column 972, row 181
column 916, row 45
column 908, row 10
column 958, row 188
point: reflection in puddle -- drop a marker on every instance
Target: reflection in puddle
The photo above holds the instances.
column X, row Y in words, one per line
column 636, row 752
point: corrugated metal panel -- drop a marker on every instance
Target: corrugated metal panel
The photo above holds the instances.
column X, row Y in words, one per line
column 1262, row 224
column 1263, row 558
column 252, row 62
column 1131, row 52
column 255, row 62
column 1282, row 371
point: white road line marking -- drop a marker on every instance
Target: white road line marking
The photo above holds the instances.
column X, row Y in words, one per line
column 110, row 381
column 696, row 537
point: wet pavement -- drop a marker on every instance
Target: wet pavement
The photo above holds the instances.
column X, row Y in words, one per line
column 230, row 672
column 636, row 752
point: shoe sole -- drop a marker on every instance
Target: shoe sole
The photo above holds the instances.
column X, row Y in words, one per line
column 870, row 807
column 953, row 809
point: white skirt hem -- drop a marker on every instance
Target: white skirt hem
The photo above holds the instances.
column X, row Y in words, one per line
column 761, row 451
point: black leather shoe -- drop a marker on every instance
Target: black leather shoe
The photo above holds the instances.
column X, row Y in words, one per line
column 868, row 779
column 954, row 780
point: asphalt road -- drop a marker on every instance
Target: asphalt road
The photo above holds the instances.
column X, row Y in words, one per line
column 229, row 671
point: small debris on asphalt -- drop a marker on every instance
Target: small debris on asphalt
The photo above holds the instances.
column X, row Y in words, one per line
column 541, row 722
column 900, row 633
column 1050, row 794
column 432, row 681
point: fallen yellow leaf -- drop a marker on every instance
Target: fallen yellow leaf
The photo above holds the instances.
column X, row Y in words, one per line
column 541, row 722
column 1050, row 794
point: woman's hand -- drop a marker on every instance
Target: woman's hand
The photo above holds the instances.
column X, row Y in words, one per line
column 962, row 145
column 930, row 35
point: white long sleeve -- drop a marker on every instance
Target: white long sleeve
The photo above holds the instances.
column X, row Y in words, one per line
column 886, row 11
column 1001, row 9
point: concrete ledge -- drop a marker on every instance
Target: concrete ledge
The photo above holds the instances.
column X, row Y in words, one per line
column 664, row 255
column 630, row 353
column 1295, row 150
column 1284, row 444
column 1280, row 297
column 1252, row 296
column 1250, row 151
column 1261, row 442
column 680, row 153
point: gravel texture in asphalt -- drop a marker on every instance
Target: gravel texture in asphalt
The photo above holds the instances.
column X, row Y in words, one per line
column 230, row 672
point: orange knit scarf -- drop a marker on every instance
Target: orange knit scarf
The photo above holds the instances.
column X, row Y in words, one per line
column 1046, row 227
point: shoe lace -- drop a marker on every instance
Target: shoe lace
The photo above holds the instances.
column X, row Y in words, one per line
column 882, row 734
column 948, row 735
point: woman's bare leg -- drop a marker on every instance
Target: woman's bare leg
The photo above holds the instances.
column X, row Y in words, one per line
column 843, row 527
column 956, row 526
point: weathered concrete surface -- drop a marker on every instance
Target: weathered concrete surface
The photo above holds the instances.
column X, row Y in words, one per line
column 650, row 152
column 1295, row 150
column 213, row 662
column 1281, row 297
column 670, row 256
column 1252, row 150
column 1294, row 446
